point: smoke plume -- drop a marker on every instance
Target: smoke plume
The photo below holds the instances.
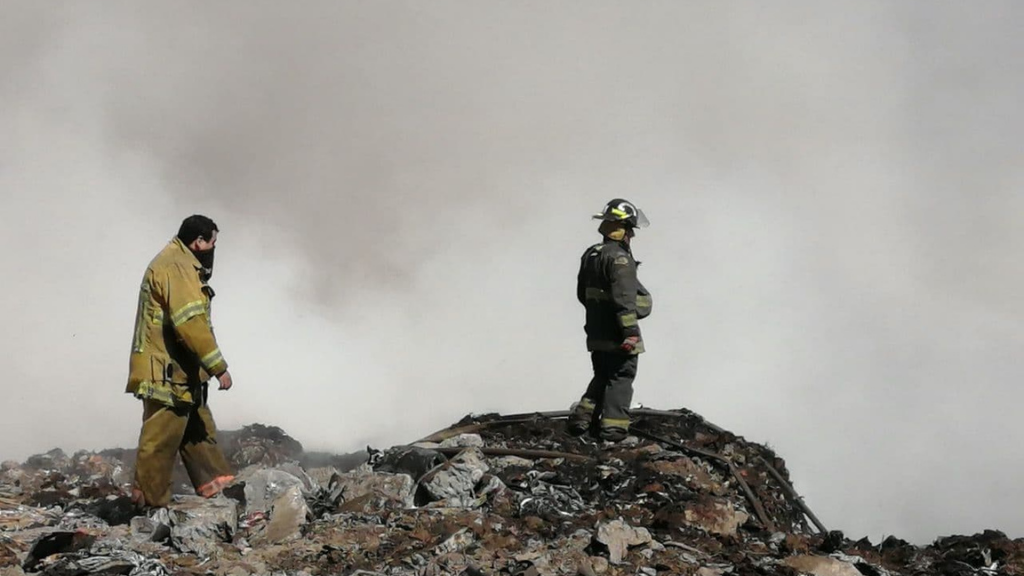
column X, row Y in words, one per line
column 403, row 191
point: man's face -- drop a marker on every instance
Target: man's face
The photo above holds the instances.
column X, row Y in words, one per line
column 615, row 230
column 203, row 251
column 202, row 244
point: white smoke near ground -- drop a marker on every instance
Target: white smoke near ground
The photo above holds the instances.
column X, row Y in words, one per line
column 404, row 188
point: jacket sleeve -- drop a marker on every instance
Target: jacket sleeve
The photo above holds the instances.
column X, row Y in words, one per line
column 188, row 310
column 581, row 287
column 623, row 280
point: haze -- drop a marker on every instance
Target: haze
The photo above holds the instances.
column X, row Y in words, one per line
column 404, row 189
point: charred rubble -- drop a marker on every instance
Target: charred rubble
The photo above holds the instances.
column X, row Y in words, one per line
column 508, row 495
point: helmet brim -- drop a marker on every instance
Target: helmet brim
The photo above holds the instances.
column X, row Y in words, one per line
column 641, row 218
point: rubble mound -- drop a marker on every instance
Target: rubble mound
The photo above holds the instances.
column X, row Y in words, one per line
column 510, row 495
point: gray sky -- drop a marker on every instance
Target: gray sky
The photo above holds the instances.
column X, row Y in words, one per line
column 404, row 188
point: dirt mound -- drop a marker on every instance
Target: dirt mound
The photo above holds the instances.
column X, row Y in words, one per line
column 513, row 495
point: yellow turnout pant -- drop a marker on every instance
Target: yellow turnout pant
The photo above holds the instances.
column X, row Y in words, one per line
column 166, row 432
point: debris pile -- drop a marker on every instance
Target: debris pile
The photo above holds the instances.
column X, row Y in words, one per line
column 508, row 495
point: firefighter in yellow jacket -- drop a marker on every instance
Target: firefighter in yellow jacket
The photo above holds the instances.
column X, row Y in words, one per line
column 174, row 354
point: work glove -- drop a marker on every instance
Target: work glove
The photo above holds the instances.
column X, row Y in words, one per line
column 629, row 344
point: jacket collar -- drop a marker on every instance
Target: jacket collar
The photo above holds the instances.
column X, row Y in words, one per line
column 190, row 256
column 620, row 243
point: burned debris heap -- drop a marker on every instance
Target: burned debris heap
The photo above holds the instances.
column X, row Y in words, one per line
column 492, row 494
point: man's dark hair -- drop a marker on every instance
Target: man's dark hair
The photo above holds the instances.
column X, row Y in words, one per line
column 196, row 226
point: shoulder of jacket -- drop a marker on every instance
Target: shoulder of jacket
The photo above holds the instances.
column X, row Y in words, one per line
column 622, row 260
column 613, row 250
column 170, row 260
column 618, row 255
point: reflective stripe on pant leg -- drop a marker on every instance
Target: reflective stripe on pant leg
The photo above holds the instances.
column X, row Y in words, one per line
column 614, row 429
column 215, row 486
column 582, row 415
column 592, row 402
column 615, row 423
column 203, row 458
column 162, row 431
column 586, row 405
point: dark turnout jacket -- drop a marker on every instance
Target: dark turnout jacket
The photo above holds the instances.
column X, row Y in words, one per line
column 615, row 300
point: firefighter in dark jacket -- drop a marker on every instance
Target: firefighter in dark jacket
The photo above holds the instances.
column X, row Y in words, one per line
column 615, row 301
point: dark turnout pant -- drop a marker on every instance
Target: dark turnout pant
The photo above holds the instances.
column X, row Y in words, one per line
column 606, row 401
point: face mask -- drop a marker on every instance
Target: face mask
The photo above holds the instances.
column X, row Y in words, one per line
column 205, row 258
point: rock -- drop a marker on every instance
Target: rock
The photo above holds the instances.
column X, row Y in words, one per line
column 264, row 486
column 862, row 565
column 618, row 536
column 258, row 444
column 456, row 542
column 585, row 568
column 146, row 529
column 821, row 566
column 464, row 441
column 705, row 571
column 288, row 514
column 832, row 542
column 649, row 449
column 489, row 485
column 115, row 511
column 795, row 544
column 510, row 461
column 409, row 460
column 55, row 543
column 55, row 460
column 196, row 524
column 456, row 483
column 716, row 517
column 629, row 442
column 322, row 476
column 692, row 474
column 382, row 488
column 309, row 484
